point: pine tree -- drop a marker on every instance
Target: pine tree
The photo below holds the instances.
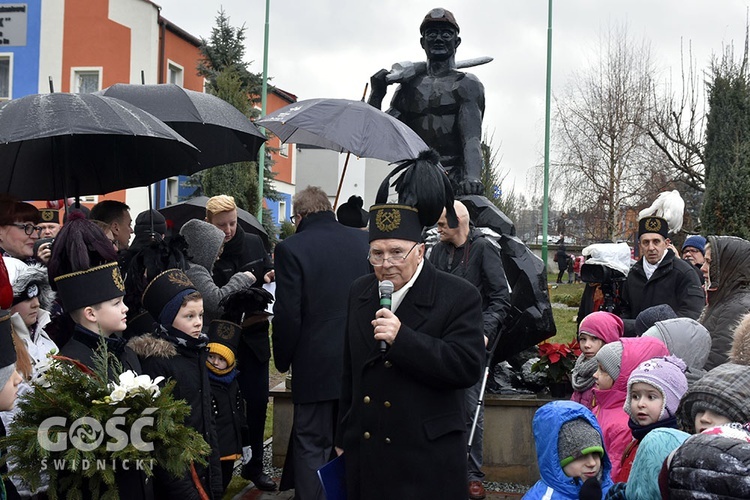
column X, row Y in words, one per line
column 227, row 76
column 725, row 205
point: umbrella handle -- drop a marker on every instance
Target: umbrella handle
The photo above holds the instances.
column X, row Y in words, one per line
column 341, row 182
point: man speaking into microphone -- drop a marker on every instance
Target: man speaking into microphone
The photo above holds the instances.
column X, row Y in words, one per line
column 402, row 429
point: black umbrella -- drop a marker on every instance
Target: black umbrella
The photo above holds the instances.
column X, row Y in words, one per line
column 221, row 132
column 53, row 145
column 347, row 126
column 527, row 277
column 195, row 208
column 344, row 125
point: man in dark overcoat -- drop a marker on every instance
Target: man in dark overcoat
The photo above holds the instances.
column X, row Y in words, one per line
column 402, row 412
column 659, row 277
column 314, row 269
column 464, row 251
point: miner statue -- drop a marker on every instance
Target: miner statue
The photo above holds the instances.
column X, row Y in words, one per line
column 442, row 105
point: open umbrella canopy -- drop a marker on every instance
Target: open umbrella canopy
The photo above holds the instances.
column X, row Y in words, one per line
column 346, row 126
column 218, row 129
column 195, row 208
column 55, row 145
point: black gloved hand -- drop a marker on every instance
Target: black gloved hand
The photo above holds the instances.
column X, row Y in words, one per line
column 591, row 490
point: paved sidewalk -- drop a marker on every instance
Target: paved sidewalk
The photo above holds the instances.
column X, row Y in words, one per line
column 252, row 493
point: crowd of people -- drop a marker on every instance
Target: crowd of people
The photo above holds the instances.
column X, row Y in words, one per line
column 388, row 378
column 661, row 402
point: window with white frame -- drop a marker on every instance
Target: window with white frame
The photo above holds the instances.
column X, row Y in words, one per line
column 283, row 149
column 282, row 212
column 86, row 80
column 6, row 77
column 175, row 73
column 173, row 190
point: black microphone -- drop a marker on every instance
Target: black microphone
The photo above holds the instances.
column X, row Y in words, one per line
column 385, row 289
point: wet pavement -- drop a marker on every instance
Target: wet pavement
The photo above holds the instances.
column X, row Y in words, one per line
column 252, row 493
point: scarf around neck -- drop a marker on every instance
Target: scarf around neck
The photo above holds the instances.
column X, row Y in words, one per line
column 640, row 431
column 582, row 377
column 180, row 338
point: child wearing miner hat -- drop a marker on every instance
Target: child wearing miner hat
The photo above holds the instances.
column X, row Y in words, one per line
column 10, row 381
column 226, row 400
column 93, row 299
column 177, row 350
column 570, row 451
column 9, row 377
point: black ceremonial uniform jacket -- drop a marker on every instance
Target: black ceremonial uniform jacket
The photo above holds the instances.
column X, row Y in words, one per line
column 403, row 427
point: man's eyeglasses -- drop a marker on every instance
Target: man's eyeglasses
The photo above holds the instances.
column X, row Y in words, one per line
column 445, row 34
column 28, row 228
column 396, row 258
column 294, row 219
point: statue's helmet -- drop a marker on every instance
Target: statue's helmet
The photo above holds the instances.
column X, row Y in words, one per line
column 438, row 15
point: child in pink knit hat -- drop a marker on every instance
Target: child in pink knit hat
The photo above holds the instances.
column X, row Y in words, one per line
column 596, row 329
column 654, row 392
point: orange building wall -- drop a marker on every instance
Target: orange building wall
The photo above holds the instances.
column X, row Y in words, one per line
column 187, row 55
column 282, row 164
column 90, row 38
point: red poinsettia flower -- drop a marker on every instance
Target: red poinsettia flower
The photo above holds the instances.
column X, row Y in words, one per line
column 557, row 359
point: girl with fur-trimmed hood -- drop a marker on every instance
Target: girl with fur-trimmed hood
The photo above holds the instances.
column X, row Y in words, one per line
column 32, row 299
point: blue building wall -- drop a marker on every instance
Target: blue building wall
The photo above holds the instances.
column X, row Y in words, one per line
column 26, row 58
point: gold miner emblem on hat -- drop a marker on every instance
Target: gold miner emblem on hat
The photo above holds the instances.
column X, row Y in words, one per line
column 224, row 331
column 388, row 220
column 179, row 278
column 117, row 278
column 47, row 215
column 653, row 225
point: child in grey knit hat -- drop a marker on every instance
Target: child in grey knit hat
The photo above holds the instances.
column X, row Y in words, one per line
column 721, row 396
column 570, row 451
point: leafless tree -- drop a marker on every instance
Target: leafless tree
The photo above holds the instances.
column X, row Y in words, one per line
column 604, row 159
column 678, row 125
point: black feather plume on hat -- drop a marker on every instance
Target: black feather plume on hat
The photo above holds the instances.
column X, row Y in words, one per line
column 149, row 262
column 424, row 185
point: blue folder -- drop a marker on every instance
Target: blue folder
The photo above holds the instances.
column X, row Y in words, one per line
column 333, row 478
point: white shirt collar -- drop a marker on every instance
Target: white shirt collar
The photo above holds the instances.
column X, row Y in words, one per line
column 398, row 296
column 650, row 268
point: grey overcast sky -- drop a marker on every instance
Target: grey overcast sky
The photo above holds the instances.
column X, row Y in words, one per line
column 330, row 48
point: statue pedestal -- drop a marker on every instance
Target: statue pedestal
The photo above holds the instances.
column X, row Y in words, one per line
column 509, row 452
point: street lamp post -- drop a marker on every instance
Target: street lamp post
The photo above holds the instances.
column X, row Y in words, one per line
column 545, row 208
column 263, row 101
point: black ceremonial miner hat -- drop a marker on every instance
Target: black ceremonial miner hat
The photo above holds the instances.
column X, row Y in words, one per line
column 226, row 333
column 89, row 287
column 163, row 289
column 653, row 224
column 7, row 349
column 49, row 215
column 390, row 220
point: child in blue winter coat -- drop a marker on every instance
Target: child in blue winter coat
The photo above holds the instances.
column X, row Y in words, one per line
column 569, row 451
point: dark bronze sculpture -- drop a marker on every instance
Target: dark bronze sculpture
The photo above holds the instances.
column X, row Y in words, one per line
column 441, row 104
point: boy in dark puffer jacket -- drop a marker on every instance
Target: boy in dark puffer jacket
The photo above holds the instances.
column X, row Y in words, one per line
column 226, row 401
column 178, row 351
